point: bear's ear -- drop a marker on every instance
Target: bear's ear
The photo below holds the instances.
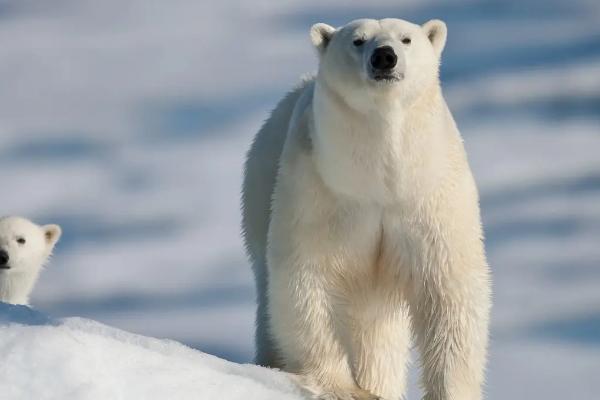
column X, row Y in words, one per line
column 320, row 35
column 436, row 32
column 51, row 234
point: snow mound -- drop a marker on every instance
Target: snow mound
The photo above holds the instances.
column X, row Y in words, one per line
column 77, row 358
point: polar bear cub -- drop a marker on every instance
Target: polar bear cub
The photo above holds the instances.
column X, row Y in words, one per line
column 24, row 249
column 362, row 222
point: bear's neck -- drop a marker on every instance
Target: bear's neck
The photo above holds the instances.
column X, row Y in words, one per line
column 383, row 155
column 15, row 287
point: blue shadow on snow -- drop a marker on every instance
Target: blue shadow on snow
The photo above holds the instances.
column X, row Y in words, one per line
column 24, row 315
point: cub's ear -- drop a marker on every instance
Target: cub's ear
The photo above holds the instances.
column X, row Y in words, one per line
column 436, row 32
column 52, row 234
column 320, row 35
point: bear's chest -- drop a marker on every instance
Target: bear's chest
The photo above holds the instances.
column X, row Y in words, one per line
column 379, row 166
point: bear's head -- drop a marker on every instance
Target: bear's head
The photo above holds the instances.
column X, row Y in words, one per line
column 25, row 246
column 367, row 58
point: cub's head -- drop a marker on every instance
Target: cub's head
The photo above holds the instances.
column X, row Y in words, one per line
column 25, row 246
column 370, row 57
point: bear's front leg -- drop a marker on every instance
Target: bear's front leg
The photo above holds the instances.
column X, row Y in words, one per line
column 308, row 324
column 315, row 258
column 450, row 309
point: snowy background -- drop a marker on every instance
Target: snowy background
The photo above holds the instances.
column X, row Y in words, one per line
column 127, row 122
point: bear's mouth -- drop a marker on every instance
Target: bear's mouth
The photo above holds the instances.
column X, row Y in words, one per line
column 4, row 266
column 388, row 77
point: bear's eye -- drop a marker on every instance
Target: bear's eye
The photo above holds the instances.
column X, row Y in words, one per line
column 358, row 42
column 406, row 40
column 21, row 240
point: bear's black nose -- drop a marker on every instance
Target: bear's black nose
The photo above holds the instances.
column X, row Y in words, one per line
column 383, row 58
column 3, row 257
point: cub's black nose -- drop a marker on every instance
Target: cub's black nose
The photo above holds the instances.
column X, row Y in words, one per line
column 3, row 257
column 384, row 58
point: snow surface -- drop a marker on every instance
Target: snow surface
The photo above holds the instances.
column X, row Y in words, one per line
column 77, row 358
column 126, row 121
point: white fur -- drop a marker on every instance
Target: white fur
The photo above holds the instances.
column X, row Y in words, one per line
column 362, row 221
column 19, row 274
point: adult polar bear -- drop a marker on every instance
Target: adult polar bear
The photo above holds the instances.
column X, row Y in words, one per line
column 361, row 218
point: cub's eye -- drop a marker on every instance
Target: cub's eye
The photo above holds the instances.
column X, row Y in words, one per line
column 21, row 240
column 406, row 40
column 358, row 42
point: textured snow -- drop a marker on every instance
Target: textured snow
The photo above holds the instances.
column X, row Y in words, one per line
column 77, row 358
column 126, row 121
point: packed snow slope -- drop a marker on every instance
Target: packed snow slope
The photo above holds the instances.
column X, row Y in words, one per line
column 77, row 358
column 127, row 122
